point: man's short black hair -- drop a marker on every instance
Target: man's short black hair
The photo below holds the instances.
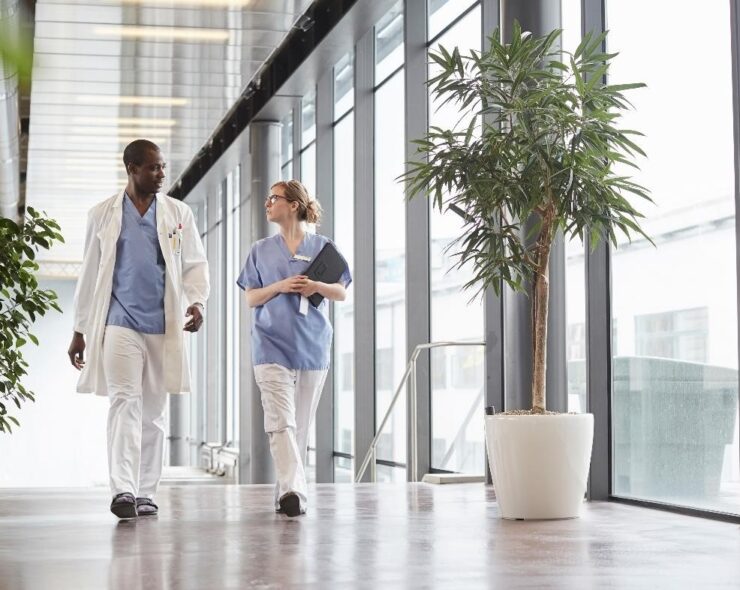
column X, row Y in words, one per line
column 136, row 151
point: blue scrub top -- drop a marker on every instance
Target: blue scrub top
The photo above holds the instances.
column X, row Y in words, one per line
column 137, row 298
column 280, row 333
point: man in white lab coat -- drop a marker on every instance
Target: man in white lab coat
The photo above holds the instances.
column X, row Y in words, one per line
column 144, row 281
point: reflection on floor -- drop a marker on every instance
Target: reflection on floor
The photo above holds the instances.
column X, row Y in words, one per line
column 366, row 536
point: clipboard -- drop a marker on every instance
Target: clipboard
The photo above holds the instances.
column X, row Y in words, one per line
column 327, row 267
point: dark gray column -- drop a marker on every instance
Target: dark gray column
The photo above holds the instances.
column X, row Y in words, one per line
column 598, row 329
column 264, row 154
column 364, row 271
column 325, row 194
column 418, row 328
column 493, row 304
column 539, row 17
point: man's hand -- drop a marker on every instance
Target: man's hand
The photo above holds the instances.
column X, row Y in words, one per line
column 196, row 318
column 76, row 350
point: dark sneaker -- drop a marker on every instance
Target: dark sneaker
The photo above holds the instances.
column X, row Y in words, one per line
column 146, row 507
column 124, row 505
column 290, row 505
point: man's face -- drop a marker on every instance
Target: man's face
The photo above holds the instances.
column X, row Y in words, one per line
column 148, row 177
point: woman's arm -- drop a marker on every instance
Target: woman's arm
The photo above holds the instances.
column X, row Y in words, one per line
column 260, row 296
column 332, row 291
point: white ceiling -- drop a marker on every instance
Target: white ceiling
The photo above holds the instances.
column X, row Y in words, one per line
column 97, row 65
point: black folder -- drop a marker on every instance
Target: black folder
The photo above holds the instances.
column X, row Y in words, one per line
column 327, row 267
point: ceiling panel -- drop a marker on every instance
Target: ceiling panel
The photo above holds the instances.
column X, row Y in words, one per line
column 107, row 72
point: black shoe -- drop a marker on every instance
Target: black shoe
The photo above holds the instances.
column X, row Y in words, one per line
column 124, row 505
column 290, row 505
column 146, row 507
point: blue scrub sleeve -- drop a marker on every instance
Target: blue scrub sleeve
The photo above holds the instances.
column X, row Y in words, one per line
column 250, row 277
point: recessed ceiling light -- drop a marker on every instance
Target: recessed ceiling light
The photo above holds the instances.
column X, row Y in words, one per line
column 176, row 3
column 177, row 33
column 111, row 138
column 94, row 179
column 113, row 131
column 125, row 121
column 134, row 100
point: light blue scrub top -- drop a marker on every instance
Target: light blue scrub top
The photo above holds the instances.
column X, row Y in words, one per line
column 280, row 333
column 137, row 299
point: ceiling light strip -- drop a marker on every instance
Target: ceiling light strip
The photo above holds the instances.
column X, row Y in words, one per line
column 172, row 33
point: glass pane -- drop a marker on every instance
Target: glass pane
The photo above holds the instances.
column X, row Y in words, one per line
column 575, row 270
column 231, row 320
column 343, row 470
column 458, row 372
column 443, row 12
column 390, row 265
column 575, row 313
column 286, row 172
column 389, row 43
column 344, row 85
column 286, row 140
column 675, row 382
column 384, row 473
column 308, row 118
column 570, row 15
column 236, row 266
column 344, row 333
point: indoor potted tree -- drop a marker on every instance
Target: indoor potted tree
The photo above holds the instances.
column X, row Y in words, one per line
column 22, row 301
column 537, row 157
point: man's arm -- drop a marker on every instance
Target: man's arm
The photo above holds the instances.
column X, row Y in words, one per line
column 195, row 281
column 85, row 292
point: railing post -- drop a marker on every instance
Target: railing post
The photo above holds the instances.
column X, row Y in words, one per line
column 414, row 423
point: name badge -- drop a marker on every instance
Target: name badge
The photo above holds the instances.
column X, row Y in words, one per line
column 301, row 257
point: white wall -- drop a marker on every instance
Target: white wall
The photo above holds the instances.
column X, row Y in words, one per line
column 61, row 440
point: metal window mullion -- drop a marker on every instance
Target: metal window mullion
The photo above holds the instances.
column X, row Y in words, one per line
column 364, row 242
column 325, row 193
column 735, row 44
column 598, row 325
column 418, row 279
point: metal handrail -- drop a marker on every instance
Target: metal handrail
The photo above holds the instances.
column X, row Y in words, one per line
column 410, row 372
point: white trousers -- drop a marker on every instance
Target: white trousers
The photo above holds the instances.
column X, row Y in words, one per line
column 289, row 399
column 134, row 371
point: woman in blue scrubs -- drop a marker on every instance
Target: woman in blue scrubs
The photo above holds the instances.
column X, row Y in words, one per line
column 291, row 339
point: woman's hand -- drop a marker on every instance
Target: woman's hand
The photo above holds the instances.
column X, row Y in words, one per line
column 294, row 284
column 309, row 287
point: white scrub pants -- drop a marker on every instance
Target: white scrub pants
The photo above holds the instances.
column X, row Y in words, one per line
column 134, row 370
column 289, row 398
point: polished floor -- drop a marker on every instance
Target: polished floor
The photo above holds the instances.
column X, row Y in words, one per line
column 367, row 536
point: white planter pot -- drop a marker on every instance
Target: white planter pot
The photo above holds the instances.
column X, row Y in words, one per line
column 540, row 464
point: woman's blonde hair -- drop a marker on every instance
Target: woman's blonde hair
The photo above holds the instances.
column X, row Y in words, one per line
column 309, row 209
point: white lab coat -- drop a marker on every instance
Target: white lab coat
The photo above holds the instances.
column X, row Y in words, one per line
column 186, row 283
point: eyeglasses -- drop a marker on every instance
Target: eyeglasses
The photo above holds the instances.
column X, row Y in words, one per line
column 272, row 199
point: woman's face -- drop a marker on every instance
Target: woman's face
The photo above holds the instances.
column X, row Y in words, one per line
column 278, row 208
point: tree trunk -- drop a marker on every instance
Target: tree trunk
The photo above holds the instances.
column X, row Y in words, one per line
column 540, row 300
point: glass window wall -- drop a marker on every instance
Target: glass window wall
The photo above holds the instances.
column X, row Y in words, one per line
column 675, row 363
column 458, row 372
